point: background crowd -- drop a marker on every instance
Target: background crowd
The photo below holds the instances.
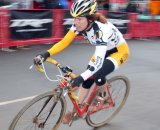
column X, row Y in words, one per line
column 137, row 6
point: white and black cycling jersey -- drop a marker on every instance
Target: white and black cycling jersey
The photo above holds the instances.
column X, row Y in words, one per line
column 104, row 37
column 102, row 34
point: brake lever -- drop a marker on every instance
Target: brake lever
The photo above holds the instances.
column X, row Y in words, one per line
column 66, row 69
column 39, row 68
column 31, row 67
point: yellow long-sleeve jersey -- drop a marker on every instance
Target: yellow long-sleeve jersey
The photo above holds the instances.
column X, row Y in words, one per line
column 65, row 42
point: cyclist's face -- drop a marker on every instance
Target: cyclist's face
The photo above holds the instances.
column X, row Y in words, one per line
column 81, row 23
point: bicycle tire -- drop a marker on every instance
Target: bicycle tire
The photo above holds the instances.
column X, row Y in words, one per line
column 35, row 101
column 93, row 123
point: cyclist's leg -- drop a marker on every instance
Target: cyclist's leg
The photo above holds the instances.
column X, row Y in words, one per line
column 100, row 80
column 82, row 93
column 84, row 90
column 111, row 63
column 100, row 76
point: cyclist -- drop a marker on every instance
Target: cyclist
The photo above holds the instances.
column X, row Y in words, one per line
column 111, row 49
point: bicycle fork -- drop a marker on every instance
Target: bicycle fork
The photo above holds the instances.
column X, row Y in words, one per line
column 36, row 119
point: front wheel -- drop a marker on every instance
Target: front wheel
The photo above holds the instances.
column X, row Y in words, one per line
column 119, row 89
column 43, row 112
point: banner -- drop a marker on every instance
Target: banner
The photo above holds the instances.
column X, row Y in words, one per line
column 68, row 21
column 30, row 24
column 120, row 20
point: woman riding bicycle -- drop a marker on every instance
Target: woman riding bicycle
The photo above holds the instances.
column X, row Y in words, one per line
column 111, row 49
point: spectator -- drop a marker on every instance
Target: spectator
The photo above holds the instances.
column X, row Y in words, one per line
column 51, row 4
column 131, row 8
column 8, row 5
column 64, row 3
column 38, row 4
column 154, row 7
column 106, row 5
column 3, row 3
column 56, row 4
column 20, row 3
column 70, row 2
column 103, row 4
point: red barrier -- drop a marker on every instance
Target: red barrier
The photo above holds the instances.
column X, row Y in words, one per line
column 57, row 31
column 143, row 29
column 4, row 41
column 136, row 29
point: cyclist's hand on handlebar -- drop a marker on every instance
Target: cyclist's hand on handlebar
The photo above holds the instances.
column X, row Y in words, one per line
column 41, row 58
column 75, row 82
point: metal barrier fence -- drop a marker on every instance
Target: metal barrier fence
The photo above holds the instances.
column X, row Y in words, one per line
column 10, row 20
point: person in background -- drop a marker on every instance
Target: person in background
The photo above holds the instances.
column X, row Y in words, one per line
column 64, row 3
column 38, row 4
column 104, row 4
column 52, row 4
column 131, row 8
column 56, row 4
column 70, row 2
column 2, row 3
column 154, row 7
column 5, row 3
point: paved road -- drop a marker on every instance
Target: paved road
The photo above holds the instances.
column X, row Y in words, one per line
column 141, row 112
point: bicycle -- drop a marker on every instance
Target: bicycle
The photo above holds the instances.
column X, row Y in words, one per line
column 47, row 110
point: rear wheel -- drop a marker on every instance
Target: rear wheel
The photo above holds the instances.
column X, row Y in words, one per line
column 119, row 90
column 43, row 112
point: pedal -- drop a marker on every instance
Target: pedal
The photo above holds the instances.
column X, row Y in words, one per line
column 70, row 123
column 73, row 118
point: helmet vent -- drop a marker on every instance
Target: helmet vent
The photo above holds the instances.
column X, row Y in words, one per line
column 81, row 3
column 75, row 6
column 80, row 9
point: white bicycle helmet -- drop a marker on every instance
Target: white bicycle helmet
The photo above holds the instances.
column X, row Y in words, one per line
column 83, row 8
